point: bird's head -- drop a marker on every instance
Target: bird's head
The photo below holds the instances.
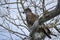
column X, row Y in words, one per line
column 27, row 10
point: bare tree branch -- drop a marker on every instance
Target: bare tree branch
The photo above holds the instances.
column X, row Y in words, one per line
column 13, row 32
column 49, row 16
column 20, row 12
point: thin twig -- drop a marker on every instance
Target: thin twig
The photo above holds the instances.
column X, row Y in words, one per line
column 20, row 13
column 13, row 32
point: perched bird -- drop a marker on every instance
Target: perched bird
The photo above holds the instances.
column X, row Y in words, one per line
column 30, row 18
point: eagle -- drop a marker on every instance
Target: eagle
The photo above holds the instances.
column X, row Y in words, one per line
column 31, row 18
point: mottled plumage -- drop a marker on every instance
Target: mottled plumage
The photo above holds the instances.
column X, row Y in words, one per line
column 30, row 18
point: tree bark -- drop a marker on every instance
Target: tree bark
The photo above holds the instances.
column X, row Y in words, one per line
column 43, row 19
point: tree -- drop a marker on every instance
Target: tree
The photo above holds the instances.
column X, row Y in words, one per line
column 17, row 25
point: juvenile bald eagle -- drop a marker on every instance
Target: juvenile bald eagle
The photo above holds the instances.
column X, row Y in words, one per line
column 30, row 18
